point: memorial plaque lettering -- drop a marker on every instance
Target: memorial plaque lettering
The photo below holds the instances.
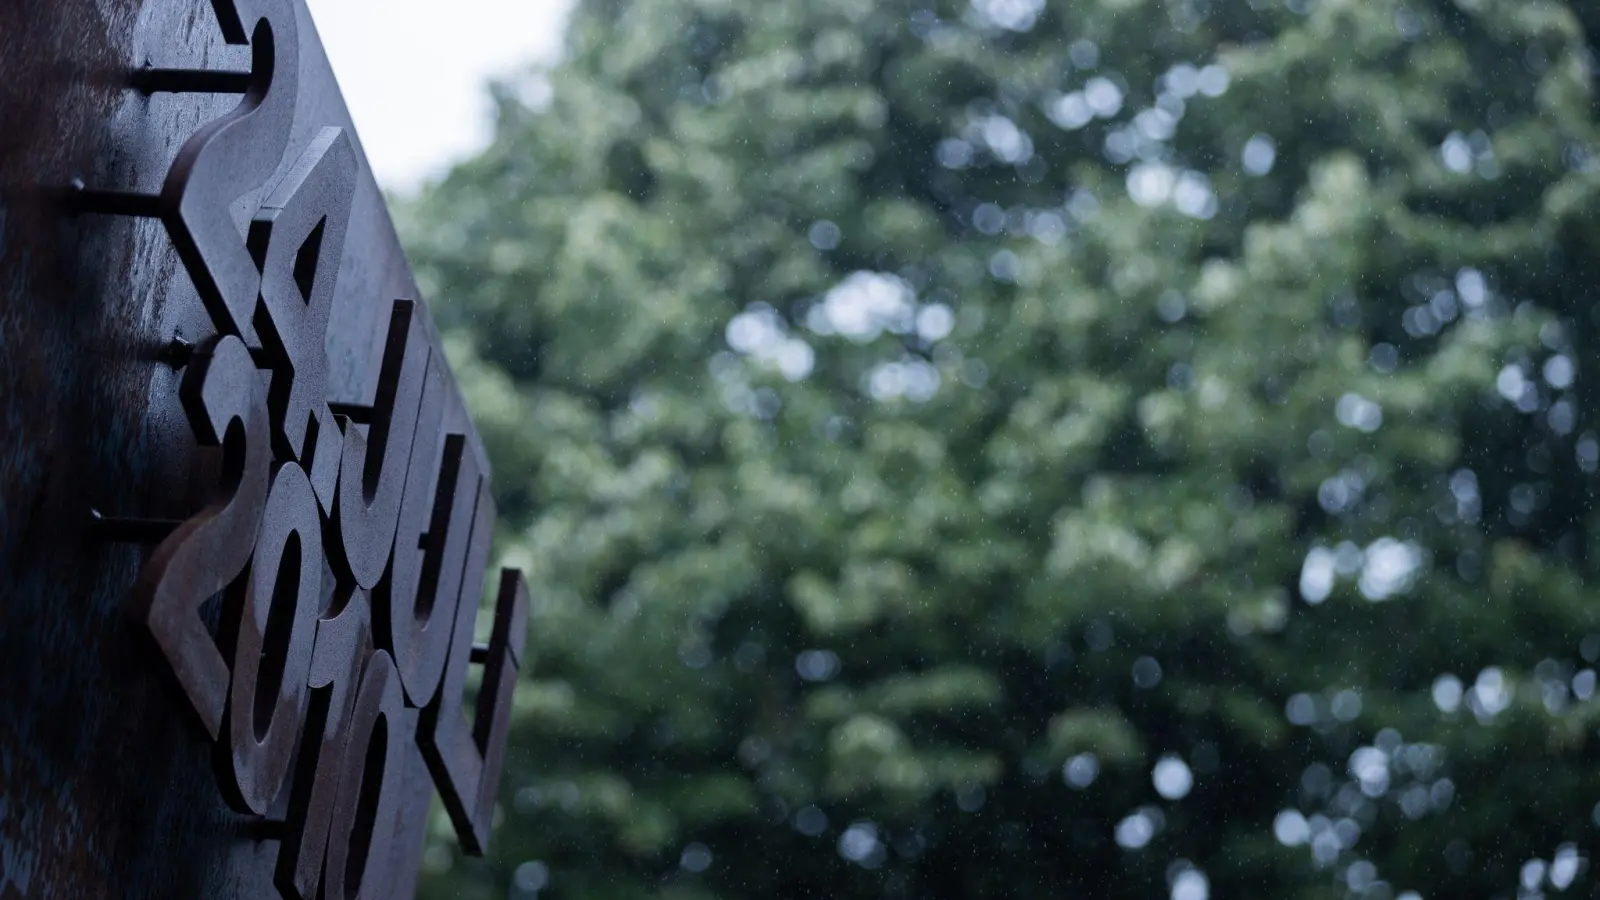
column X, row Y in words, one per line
column 315, row 609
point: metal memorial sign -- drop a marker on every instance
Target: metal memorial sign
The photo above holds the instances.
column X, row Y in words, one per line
column 246, row 519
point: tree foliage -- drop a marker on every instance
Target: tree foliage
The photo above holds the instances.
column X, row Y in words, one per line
column 1116, row 448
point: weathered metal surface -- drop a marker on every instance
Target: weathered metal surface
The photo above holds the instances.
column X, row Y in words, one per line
column 241, row 551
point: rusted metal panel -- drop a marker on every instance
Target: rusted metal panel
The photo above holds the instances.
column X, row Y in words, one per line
column 204, row 487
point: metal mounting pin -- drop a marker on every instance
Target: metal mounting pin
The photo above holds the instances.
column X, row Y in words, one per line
column 188, row 81
column 85, row 200
column 177, row 352
column 126, row 530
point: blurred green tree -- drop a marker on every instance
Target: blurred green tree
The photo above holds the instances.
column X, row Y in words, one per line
column 1121, row 448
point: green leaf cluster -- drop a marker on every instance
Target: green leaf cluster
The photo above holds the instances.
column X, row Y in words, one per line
column 1009, row 448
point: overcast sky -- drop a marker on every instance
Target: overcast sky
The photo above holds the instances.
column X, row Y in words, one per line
column 414, row 71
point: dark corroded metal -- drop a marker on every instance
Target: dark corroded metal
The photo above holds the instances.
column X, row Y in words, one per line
column 298, row 236
column 244, row 518
column 373, row 761
column 372, row 473
column 272, row 651
column 443, row 732
column 223, row 397
column 229, row 158
column 343, row 643
column 429, row 549
column 493, row 713
column 466, row 758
